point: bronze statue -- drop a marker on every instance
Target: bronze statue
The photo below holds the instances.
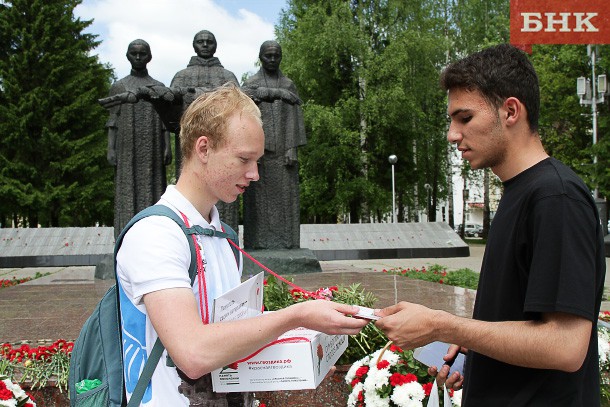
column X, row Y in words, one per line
column 138, row 142
column 271, row 205
column 204, row 73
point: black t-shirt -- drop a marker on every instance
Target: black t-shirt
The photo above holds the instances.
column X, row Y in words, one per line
column 544, row 253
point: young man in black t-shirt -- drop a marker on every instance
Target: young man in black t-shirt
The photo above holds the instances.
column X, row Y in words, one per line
column 533, row 336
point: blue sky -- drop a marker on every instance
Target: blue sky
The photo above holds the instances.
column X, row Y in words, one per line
column 240, row 27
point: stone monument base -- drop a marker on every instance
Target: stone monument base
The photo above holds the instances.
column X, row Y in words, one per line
column 287, row 261
column 104, row 270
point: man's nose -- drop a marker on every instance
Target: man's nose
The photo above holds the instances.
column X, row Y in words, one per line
column 453, row 134
column 252, row 173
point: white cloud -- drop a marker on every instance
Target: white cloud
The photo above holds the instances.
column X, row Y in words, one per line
column 169, row 27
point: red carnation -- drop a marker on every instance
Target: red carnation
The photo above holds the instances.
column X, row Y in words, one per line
column 6, row 394
column 362, row 371
column 383, row 364
column 427, row 388
column 395, row 349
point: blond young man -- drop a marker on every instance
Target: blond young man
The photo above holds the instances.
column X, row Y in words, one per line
column 221, row 140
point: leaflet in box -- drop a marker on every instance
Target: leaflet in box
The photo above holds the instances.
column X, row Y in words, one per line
column 299, row 359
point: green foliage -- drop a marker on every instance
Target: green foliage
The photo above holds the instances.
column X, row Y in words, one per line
column 52, row 153
column 370, row 83
column 278, row 295
column 366, row 80
column 436, row 273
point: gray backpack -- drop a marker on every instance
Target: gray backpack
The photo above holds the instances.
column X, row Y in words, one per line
column 97, row 352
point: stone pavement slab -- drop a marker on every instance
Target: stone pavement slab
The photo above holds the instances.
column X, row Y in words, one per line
column 32, row 312
column 56, row 306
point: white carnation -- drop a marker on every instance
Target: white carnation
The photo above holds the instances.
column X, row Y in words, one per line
column 373, row 400
column 603, row 346
column 456, row 399
column 351, row 373
column 408, row 395
column 17, row 391
column 376, row 379
column 353, row 397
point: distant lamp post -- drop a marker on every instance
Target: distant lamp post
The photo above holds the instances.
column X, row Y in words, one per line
column 428, row 188
column 393, row 159
column 591, row 92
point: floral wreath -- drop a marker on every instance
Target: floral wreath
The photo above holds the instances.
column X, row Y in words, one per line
column 385, row 378
column 12, row 395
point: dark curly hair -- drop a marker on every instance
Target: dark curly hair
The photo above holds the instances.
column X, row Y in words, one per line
column 497, row 72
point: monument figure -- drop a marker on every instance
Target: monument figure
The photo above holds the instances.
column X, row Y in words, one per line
column 204, row 73
column 138, row 142
column 271, row 205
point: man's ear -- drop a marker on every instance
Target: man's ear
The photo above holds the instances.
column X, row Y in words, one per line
column 514, row 110
column 202, row 148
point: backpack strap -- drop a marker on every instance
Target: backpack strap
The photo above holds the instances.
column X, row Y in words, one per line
column 158, row 348
column 231, row 235
column 162, row 210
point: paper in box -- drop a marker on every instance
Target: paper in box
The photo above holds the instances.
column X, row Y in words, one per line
column 297, row 360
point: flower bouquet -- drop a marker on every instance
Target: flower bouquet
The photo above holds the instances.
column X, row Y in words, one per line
column 391, row 377
column 11, row 395
column 37, row 365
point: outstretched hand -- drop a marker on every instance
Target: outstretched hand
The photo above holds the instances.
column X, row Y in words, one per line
column 408, row 325
column 329, row 317
column 453, row 381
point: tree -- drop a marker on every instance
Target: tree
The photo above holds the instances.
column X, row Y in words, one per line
column 368, row 73
column 341, row 55
column 52, row 151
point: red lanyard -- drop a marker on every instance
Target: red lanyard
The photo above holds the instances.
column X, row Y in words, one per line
column 203, row 289
column 267, row 269
column 203, row 292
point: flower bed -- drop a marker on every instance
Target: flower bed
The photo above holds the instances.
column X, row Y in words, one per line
column 465, row 278
column 279, row 295
column 14, row 281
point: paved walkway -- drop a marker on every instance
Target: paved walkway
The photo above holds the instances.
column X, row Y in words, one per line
column 55, row 306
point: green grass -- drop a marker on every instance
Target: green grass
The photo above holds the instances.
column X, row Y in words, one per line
column 436, row 273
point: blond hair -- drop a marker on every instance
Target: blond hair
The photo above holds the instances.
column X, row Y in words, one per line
column 209, row 115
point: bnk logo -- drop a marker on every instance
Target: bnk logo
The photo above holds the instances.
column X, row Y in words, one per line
column 559, row 22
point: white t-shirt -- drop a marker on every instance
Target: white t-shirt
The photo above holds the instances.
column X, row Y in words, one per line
column 154, row 256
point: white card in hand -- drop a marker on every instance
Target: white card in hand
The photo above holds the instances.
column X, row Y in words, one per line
column 366, row 313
